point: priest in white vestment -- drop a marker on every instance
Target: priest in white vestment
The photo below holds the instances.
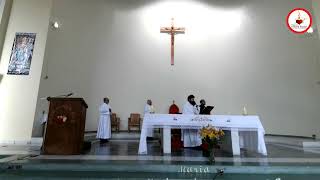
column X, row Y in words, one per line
column 149, row 109
column 104, row 128
column 191, row 137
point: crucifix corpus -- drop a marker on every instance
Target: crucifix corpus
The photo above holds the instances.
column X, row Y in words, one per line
column 172, row 31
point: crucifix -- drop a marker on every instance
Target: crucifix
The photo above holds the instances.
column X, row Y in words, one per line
column 172, row 31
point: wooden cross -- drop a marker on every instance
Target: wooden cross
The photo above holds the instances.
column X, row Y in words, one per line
column 172, row 31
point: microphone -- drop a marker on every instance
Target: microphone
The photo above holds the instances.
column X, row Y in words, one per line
column 70, row 94
column 64, row 95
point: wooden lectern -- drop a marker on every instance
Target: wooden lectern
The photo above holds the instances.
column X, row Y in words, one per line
column 65, row 127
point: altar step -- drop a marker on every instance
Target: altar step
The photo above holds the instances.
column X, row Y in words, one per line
column 45, row 169
column 298, row 142
column 120, row 136
column 37, row 141
column 313, row 144
column 125, row 135
column 293, row 141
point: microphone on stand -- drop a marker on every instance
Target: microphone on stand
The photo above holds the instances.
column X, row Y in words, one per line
column 65, row 95
column 70, row 94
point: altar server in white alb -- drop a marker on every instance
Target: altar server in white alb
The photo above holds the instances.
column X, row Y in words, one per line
column 104, row 128
column 149, row 109
column 191, row 137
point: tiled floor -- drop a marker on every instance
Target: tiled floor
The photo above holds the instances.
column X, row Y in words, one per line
column 119, row 159
column 123, row 147
column 280, row 150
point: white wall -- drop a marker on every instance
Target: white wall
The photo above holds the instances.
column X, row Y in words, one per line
column 316, row 13
column 2, row 2
column 5, row 9
column 18, row 94
column 233, row 54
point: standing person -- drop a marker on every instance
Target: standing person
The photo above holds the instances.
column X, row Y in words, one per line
column 202, row 106
column 176, row 142
column 191, row 137
column 190, row 107
column 149, row 109
column 104, row 128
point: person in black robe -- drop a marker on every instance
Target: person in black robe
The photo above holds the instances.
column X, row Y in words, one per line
column 202, row 106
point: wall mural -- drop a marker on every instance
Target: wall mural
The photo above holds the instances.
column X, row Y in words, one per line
column 21, row 54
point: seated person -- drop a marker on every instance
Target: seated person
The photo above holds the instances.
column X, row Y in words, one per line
column 174, row 109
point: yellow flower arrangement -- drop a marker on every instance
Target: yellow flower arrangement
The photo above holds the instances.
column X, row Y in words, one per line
column 210, row 137
column 211, row 132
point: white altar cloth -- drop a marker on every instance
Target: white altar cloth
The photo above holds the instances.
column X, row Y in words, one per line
column 242, row 128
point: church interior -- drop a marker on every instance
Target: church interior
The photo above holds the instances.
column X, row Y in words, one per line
column 114, row 89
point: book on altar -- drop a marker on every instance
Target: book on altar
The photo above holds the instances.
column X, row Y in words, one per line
column 207, row 110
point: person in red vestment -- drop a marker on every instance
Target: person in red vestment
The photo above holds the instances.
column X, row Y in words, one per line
column 174, row 109
column 176, row 142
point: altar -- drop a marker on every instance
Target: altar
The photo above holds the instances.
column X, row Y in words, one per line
column 246, row 131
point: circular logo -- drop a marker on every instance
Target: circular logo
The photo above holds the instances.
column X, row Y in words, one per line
column 299, row 20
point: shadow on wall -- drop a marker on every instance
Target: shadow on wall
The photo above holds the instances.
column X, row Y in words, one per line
column 1, row 77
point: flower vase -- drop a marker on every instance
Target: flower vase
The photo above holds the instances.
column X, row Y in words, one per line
column 211, row 136
column 211, row 156
column 207, row 151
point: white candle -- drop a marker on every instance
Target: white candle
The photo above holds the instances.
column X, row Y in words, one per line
column 245, row 112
